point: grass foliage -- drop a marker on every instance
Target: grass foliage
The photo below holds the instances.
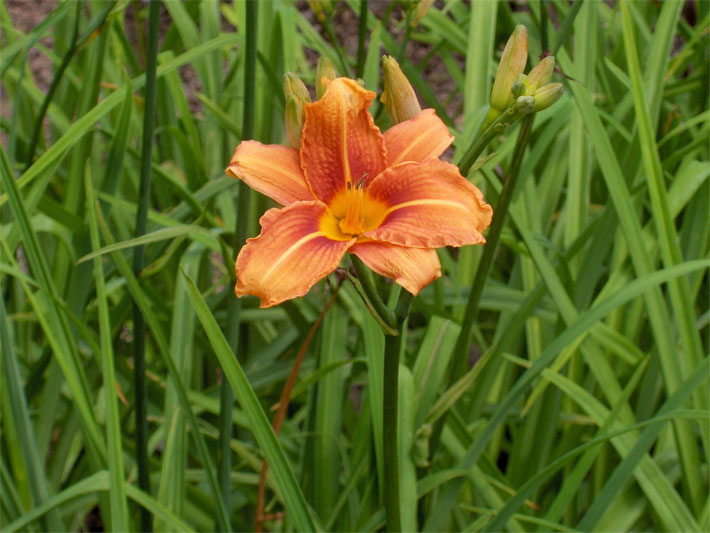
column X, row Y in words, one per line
column 587, row 405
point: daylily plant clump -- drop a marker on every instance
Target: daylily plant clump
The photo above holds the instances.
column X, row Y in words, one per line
column 386, row 198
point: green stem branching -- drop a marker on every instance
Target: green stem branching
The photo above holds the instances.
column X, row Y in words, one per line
column 484, row 267
column 523, row 106
column 463, row 342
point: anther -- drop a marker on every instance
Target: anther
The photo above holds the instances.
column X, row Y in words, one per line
column 361, row 183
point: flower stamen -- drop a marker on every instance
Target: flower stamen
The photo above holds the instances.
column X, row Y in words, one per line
column 352, row 223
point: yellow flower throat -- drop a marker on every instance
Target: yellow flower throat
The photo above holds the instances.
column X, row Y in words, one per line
column 352, row 213
column 353, row 222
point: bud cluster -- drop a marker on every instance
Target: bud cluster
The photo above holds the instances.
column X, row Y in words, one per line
column 536, row 84
column 510, row 82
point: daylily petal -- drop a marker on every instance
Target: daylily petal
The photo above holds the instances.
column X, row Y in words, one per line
column 429, row 205
column 339, row 141
column 425, row 136
column 273, row 170
column 412, row 268
column 289, row 256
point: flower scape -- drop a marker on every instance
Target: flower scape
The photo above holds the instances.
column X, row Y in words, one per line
column 387, row 198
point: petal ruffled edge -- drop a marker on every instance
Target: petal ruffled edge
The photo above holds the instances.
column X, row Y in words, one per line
column 291, row 254
column 271, row 169
column 339, row 141
column 423, row 137
column 429, row 204
column 412, row 268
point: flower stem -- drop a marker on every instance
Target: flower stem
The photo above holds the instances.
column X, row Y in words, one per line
column 74, row 45
column 521, row 107
column 362, row 34
column 390, row 440
column 544, row 41
column 385, row 315
column 52, row 88
column 463, row 342
column 393, row 323
column 240, row 234
column 407, row 35
column 489, row 250
column 328, row 25
column 139, row 259
column 390, row 422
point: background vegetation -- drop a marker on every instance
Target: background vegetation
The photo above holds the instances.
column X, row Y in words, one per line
column 587, row 405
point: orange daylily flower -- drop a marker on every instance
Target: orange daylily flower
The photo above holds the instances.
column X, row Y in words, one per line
column 386, row 198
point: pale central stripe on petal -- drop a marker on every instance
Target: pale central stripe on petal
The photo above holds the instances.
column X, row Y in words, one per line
column 413, row 144
column 427, row 201
column 291, row 249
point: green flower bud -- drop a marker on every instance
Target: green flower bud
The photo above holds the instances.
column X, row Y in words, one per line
column 420, row 448
column 512, row 63
column 297, row 96
column 520, row 86
column 294, row 120
column 323, row 70
column 294, row 86
column 523, row 104
column 419, row 12
column 548, row 95
column 541, row 74
column 321, row 8
column 399, row 97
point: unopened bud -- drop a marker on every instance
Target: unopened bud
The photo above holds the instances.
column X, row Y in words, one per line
column 294, row 86
column 548, row 95
column 541, row 74
column 512, row 63
column 520, row 86
column 323, row 70
column 399, row 97
column 297, row 96
column 294, row 120
column 419, row 12
column 321, row 8
column 523, row 105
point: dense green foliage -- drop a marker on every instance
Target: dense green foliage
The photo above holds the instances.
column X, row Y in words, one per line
column 587, row 405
